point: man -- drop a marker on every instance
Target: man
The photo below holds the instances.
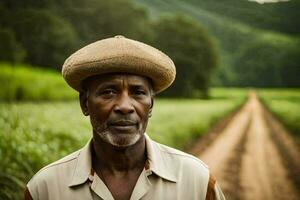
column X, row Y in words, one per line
column 116, row 79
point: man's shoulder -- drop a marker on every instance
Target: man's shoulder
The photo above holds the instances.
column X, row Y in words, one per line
column 63, row 161
column 175, row 155
column 50, row 170
column 53, row 177
column 184, row 169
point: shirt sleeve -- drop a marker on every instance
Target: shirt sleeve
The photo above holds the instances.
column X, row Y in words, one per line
column 214, row 191
column 27, row 195
column 218, row 194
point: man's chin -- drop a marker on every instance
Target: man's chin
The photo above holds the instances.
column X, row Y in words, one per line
column 121, row 141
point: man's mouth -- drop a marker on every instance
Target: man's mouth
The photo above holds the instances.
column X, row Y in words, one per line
column 123, row 125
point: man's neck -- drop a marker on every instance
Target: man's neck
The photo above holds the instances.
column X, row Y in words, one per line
column 118, row 160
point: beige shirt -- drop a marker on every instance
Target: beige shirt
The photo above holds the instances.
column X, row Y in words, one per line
column 171, row 174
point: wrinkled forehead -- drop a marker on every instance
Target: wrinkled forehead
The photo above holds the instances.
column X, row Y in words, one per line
column 117, row 78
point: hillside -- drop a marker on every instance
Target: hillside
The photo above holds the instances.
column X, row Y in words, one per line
column 232, row 23
column 279, row 17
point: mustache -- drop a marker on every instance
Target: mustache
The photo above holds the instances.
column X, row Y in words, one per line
column 123, row 122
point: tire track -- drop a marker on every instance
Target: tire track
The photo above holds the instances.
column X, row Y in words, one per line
column 247, row 158
column 263, row 175
column 233, row 168
column 222, row 155
column 286, row 147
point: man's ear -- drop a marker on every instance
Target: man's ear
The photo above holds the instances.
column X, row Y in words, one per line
column 84, row 103
column 151, row 107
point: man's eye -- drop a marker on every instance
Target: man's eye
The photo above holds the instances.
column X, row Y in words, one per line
column 140, row 92
column 108, row 92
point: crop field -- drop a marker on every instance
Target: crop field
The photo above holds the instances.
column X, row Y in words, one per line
column 27, row 83
column 285, row 105
column 34, row 134
column 177, row 122
column 41, row 121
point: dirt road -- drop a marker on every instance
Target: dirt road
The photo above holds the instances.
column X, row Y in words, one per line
column 253, row 157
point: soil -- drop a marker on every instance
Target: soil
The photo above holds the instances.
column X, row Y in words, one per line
column 253, row 156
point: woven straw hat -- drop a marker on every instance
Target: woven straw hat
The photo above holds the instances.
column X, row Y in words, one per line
column 119, row 54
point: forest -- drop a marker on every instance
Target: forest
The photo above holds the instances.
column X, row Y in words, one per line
column 236, row 43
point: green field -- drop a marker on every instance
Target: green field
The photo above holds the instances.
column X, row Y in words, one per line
column 285, row 105
column 27, row 83
column 41, row 121
column 177, row 122
column 34, row 134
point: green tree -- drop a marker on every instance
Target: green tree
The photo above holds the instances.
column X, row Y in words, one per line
column 192, row 51
column 94, row 20
column 49, row 30
column 290, row 69
column 269, row 63
column 47, row 38
column 289, row 16
column 10, row 49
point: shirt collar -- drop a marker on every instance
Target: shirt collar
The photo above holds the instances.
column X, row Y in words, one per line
column 157, row 164
column 83, row 166
column 161, row 166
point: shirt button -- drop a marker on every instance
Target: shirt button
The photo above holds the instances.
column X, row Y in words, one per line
column 91, row 178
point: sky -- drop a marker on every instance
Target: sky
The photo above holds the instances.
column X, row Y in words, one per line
column 267, row 1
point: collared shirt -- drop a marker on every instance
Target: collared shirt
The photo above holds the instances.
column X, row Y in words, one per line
column 169, row 174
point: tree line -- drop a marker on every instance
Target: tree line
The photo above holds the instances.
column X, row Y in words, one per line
column 43, row 33
column 261, row 42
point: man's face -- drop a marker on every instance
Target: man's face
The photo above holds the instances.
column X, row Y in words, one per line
column 119, row 106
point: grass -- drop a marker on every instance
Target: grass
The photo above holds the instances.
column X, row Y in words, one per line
column 39, row 126
column 285, row 105
column 177, row 122
column 27, row 83
column 35, row 134
column 229, row 93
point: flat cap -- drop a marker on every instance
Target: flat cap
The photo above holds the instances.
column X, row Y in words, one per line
column 119, row 55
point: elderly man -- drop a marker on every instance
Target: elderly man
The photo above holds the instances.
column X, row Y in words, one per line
column 116, row 79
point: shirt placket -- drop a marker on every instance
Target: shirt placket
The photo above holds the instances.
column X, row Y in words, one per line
column 141, row 188
column 99, row 188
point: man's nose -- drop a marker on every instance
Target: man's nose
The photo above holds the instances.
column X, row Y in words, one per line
column 124, row 104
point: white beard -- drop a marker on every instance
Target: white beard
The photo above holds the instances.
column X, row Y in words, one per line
column 118, row 140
